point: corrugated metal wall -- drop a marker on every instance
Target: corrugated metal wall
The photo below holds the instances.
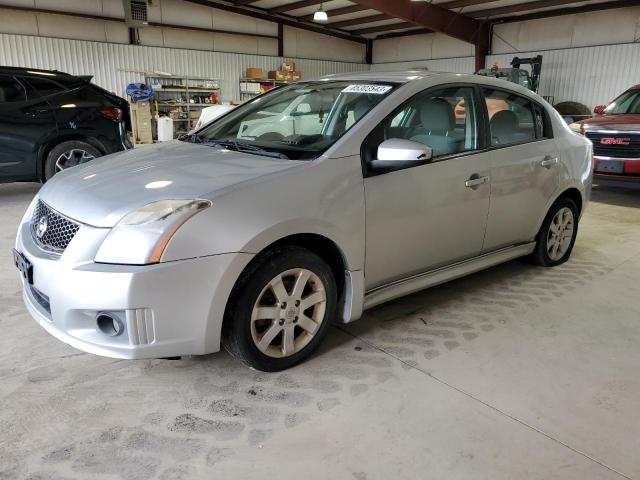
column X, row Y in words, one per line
column 455, row 65
column 113, row 64
column 589, row 75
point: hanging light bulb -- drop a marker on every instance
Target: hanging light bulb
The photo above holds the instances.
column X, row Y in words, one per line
column 320, row 15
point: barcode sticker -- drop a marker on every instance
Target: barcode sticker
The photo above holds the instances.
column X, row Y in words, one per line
column 375, row 89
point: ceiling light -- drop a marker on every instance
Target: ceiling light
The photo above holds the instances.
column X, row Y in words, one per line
column 320, row 15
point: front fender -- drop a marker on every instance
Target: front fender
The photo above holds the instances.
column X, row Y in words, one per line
column 326, row 198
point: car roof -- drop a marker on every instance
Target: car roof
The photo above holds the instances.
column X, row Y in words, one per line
column 397, row 77
column 423, row 75
column 51, row 74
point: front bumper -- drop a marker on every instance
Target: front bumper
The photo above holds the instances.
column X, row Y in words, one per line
column 168, row 309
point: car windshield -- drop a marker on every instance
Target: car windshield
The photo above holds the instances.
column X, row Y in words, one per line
column 628, row 102
column 297, row 122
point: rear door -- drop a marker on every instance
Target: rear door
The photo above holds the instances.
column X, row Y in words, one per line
column 524, row 167
column 26, row 121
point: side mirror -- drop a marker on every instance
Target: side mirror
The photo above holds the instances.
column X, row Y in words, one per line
column 397, row 153
column 599, row 110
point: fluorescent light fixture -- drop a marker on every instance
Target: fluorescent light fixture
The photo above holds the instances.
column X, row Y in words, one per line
column 320, row 15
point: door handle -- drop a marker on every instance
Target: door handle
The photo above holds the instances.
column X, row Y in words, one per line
column 475, row 181
column 549, row 162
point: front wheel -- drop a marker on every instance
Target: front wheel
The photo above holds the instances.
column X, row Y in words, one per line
column 557, row 235
column 281, row 309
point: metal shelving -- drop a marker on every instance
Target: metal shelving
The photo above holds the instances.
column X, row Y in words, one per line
column 188, row 95
column 251, row 87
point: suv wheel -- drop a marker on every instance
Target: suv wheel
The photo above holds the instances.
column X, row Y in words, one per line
column 68, row 154
column 281, row 309
column 557, row 235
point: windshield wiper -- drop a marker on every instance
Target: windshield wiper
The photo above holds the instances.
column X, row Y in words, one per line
column 245, row 148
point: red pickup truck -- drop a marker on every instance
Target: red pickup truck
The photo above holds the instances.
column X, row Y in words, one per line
column 615, row 133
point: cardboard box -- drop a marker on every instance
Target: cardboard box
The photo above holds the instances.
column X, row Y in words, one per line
column 289, row 66
column 254, row 73
column 141, row 122
column 279, row 75
column 295, row 76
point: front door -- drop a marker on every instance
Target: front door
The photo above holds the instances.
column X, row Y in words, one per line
column 425, row 217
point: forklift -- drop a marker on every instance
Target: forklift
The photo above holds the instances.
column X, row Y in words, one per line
column 530, row 80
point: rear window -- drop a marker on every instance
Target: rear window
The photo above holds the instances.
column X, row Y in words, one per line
column 45, row 87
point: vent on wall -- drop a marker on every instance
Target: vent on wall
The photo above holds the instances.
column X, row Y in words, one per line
column 135, row 13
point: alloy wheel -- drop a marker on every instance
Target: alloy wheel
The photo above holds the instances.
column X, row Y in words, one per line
column 71, row 158
column 560, row 234
column 288, row 313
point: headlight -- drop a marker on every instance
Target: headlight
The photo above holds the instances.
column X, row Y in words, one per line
column 141, row 236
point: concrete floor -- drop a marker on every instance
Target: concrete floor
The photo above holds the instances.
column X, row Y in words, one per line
column 517, row 372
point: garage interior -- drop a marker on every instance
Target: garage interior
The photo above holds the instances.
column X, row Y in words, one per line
column 516, row 372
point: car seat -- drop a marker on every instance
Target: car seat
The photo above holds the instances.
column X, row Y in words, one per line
column 505, row 128
column 437, row 127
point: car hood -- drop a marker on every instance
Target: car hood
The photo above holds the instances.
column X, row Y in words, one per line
column 103, row 191
column 612, row 122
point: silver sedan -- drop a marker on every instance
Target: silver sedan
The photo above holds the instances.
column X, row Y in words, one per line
column 302, row 207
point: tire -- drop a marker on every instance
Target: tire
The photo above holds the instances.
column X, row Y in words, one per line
column 76, row 152
column 574, row 110
column 256, row 322
column 546, row 253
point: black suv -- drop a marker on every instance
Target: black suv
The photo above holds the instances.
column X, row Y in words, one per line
column 51, row 120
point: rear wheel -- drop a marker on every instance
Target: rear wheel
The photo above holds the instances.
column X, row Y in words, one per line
column 67, row 155
column 281, row 309
column 557, row 235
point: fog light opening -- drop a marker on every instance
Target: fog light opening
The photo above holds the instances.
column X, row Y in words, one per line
column 109, row 324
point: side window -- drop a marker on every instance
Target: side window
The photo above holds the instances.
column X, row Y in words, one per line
column 45, row 87
column 511, row 117
column 11, row 90
column 443, row 119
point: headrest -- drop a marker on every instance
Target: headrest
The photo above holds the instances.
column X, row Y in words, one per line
column 436, row 115
column 504, row 120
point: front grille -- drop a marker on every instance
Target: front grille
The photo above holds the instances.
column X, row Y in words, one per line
column 612, row 150
column 50, row 230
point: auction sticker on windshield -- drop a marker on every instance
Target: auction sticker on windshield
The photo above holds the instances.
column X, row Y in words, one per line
column 375, row 89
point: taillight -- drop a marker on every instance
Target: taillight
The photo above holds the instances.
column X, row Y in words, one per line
column 113, row 113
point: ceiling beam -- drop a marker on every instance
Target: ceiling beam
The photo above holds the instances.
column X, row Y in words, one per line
column 244, row 2
column 294, row 6
column 122, row 20
column 281, row 18
column 520, row 7
column 463, row 3
column 360, row 21
column 337, row 12
column 384, row 28
column 408, row 33
column 435, row 18
column 569, row 11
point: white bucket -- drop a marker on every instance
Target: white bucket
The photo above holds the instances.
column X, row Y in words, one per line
column 165, row 129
